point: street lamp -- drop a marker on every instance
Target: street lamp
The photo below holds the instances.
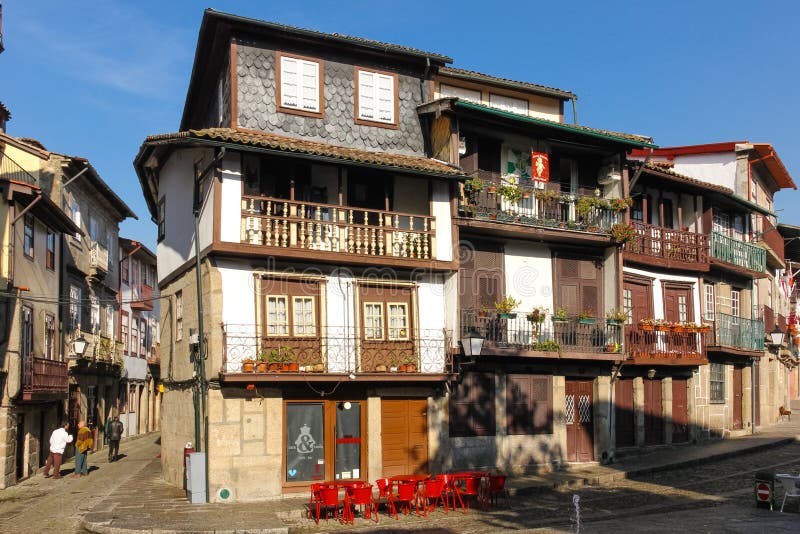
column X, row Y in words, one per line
column 777, row 336
column 472, row 343
column 79, row 346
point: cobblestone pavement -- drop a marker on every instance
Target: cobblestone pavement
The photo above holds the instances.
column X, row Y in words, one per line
column 41, row 504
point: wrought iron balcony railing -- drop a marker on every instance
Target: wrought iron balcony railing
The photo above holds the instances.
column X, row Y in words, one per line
column 338, row 350
column 669, row 244
column 42, row 377
column 673, row 347
column 289, row 224
column 738, row 252
column 736, row 332
column 517, row 333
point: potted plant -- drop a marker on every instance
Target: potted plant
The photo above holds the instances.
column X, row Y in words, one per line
column 474, row 184
column 584, row 205
column 705, row 327
column 647, row 324
column 692, row 327
column 622, row 233
column 381, row 368
column 616, row 316
column 511, row 193
column 547, row 346
column 620, row 204
column 586, row 317
column 274, row 361
column 411, row 365
column 492, row 188
column 537, row 315
column 506, row 306
column 660, row 325
column 561, row 315
column 248, row 365
column 612, row 347
column 483, row 312
column 677, row 327
column 261, row 361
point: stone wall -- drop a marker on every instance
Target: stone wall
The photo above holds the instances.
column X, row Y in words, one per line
column 257, row 104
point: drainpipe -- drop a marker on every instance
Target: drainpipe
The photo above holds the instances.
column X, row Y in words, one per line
column 752, row 395
column 574, row 109
column 200, row 330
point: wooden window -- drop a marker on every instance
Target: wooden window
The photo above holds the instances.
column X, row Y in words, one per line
column 94, row 315
column 373, row 320
column 142, row 338
column 132, row 399
column 109, row 329
column 721, row 222
column 277, row 315
column 178, row 318
column 508, row 103
column 398, row 320
column 470, row 95
column 27, row 244
column 304, row 313
column 124, row 332
column 579, row 283
column 49, row 336
column 376, row 98
column 709, row 302
column 161, row 218
column 74, row 308
column 134, row 337
column 717, row 382
column 736, row 309
column 472, row 411
column 529, row 404
column 50, row 257
column 300, row 85
column 125, row 268
column 26, row 336
column 627, row 305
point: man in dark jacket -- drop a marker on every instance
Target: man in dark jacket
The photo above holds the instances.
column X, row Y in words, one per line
column 114, row 435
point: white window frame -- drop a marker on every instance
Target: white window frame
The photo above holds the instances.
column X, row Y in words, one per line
column 709, row 302
column 397, row 333
column 378, row 90
column 109, row 330
column 94, row 315
column 470, row 95
column 374, row 323
column 178, row 316
column 509, row 103
column 305, row 324
column 142, row 337
column 75, row 215
column 75, row 308
column 307, row 92
column 49, row 336
column 275, row 326
column 736, row 303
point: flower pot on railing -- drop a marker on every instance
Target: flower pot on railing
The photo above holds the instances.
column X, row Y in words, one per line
column 319, row 367
column 507, row 315
column 402, row 368
column 273, row 367
column 380, row 368
column 248, row 366
column 411, row 368
column 261, row 367
column 293, row 367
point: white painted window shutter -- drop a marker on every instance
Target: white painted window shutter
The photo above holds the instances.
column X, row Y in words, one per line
column 385, row 98
column 310, row 71
column 366, row 95
column 289, row 82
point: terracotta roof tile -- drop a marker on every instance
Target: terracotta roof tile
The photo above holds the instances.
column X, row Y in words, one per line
column 525, row 86
column 315, row 148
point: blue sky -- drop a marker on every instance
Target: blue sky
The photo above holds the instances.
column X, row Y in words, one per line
column 94, row 78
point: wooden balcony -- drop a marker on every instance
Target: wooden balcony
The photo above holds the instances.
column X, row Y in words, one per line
column 98, row 261
column 773, row 240
column 651, row 347
column 338, row 353
column 572, row 338
column 539, row 208
column 44, row 380
column 142, row 298
column 732, row 252
column 736, row 335
column 327, row 230
column 665, row 247
column 12, row 171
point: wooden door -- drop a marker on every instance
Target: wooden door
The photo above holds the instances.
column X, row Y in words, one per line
column 680, row 411
column 678, row 304
column 20, row 452
column 736, row 423
column 579, row 283
column 653, row 413
column 579, row 408
column 638, row 296
column 404, row 435
column 624, row 412
column 757, row 391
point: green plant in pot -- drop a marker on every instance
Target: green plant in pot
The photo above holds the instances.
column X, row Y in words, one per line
column 536, row 317
column 505, row 307
column 622, row 233
column 561, row 315
column 616, row 316
column 474, row 184
column 511, row 193
column 261, row 361
column 586, row 317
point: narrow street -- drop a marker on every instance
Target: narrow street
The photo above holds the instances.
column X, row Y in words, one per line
column 46, row 505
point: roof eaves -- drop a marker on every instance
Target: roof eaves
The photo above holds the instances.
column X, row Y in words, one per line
column 469, row 75
column 627, row 139
column 103, row 187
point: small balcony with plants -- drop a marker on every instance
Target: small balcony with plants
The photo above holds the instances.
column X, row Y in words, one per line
column 334, row 353
column 661, row 342
column 505, row 199
column 540, row 333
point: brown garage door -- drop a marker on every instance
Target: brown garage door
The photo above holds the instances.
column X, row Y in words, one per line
column 404, row 435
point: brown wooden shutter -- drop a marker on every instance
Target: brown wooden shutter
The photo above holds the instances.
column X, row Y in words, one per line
column 579, row 285
column 472, row 410
column 542, row 404
column 481, row 275
column 529, row 404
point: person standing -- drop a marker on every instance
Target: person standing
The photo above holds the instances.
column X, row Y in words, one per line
column 114, row 435
column 82, row 446
column 58, row 442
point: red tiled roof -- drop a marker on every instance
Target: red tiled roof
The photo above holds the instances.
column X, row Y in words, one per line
column 314, row 148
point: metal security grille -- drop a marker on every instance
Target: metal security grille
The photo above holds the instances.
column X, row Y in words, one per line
column 570, row 409
column 585, row 409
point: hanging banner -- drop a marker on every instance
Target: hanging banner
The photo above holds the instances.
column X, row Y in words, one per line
column 540, row 166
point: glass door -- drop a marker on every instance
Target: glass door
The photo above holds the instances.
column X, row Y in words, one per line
column 347, row 456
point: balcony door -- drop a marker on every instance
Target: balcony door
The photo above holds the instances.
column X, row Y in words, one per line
column 480, row 277
column 678, row 303
column 579, row 285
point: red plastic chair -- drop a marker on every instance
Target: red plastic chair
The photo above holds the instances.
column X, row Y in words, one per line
column 450, row 489
column 406, row 493
column 313, row 503
column 329, row 498
column 385, row 495
column 361, row 496
column 433, row 491
column 472, row 486
column 497, row 488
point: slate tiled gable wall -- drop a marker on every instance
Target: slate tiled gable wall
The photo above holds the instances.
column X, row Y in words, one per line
column 257, row 105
